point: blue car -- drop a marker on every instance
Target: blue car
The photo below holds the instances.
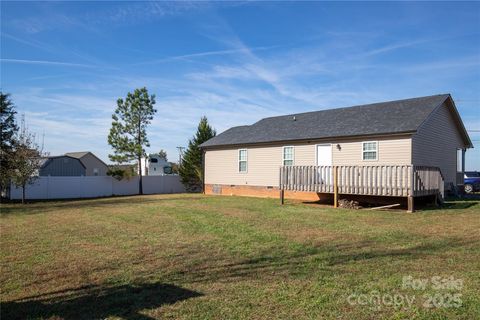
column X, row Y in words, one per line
column 471, row 181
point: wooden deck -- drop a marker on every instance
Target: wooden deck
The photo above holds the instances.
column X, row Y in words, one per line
column 397, row 181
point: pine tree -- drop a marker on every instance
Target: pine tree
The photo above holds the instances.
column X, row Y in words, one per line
column 191, row 169
column 8, row 130
column 128, row 135
column 162, row 154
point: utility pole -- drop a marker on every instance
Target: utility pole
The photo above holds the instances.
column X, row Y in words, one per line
column 180, row 155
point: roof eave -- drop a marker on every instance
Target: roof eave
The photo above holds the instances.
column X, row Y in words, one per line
column 309, row 139
column 463, row 130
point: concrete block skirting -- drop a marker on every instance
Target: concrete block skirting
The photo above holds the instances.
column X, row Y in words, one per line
column 258, row 191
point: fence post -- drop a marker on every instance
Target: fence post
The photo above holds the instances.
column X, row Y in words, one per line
column 335, row 187
column 48, row 187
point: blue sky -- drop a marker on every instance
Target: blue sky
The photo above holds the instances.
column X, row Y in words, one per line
column 66, row 63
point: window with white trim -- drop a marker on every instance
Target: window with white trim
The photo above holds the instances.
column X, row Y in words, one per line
column 370, row 150
column 242, row 160
column 288, row 155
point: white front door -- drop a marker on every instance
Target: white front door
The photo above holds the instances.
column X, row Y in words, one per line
column 324, row 158
column 324, row 155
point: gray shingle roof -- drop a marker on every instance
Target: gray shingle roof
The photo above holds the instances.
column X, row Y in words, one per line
column 78, row 155
column 390, row 117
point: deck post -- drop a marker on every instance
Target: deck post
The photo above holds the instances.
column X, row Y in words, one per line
column 410, row 198
column 411, row 204
column 282, row 196
column 335, row 187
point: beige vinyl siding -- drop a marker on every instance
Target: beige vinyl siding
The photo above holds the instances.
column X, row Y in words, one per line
column 221, row 166
column 436, row 143
column 391, row 151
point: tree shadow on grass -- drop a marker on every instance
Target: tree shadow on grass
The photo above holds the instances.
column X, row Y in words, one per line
column 450, row 205
column 415, row 252
column 97, row 302
column 327, row 258
column 458, row 205
column 52, row 205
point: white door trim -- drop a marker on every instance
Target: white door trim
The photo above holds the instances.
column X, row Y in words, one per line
column 323, row 145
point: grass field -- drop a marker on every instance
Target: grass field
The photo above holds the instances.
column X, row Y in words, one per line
column 206, row 257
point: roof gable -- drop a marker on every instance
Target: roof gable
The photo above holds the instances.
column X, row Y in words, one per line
column 392, row 117
column 81, row 154
column 458, row 122
column 77, row 155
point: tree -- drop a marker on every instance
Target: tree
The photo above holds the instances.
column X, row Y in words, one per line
column 162, row 154
column 26, row 160
column 191, row 169
column 8, row 130
column 175, row 167
column 122, row 172
column 128, row 135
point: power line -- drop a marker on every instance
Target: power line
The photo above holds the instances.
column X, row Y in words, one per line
column 180, row 155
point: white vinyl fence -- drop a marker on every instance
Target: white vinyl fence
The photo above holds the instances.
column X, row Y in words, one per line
column 96, row 186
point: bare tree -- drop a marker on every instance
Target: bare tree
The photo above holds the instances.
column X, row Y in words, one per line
column 27, row 158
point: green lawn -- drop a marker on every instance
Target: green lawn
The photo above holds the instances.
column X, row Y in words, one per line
column 208, row 257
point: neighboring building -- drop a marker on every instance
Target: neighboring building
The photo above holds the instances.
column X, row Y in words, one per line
column 154, row 165
column 73, row 164
column 93, row 165
column 425, row 131
column 61, row 166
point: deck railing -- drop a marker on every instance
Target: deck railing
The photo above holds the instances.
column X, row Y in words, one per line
column 389, row 180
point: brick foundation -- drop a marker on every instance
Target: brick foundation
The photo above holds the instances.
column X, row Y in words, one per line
column 258, row 191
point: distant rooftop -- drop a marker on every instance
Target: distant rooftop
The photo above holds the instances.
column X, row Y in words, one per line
column 78, row 154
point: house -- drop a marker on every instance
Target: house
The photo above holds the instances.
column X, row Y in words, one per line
column 73, row 164
column 93, row 165
column 380, row 137
column 154, row 165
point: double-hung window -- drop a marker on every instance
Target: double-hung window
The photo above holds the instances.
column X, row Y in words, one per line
column 370, row 150
column 288, row 155
column 242, row 160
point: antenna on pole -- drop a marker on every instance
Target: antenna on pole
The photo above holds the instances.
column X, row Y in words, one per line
column 180, row 155
column 43, row 140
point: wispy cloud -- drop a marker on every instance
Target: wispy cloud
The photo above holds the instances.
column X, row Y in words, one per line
column 205, row 54
column 51, row 17
column 394, row 46
column 46, row 20
column 30, row 43
column 445, row 65
column 129, row 13
column 46, row 62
